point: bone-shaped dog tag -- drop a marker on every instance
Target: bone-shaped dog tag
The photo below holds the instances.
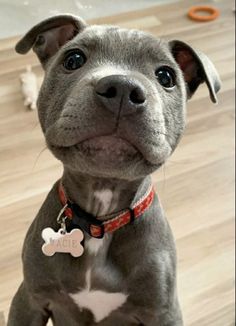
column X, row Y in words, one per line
column 63, row 242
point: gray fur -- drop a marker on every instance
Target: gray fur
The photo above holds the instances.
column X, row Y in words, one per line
column 104, row 145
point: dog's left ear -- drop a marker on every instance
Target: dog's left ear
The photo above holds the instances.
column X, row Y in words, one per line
column 197, row 69
column 48, row 36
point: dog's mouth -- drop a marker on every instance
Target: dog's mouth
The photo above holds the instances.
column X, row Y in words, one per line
column 107, row 145
column 104, row 149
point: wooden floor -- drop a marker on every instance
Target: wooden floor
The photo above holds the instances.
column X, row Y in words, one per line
column 196, row 186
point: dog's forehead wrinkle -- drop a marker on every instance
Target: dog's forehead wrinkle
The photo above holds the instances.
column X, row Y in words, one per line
column 119, row 40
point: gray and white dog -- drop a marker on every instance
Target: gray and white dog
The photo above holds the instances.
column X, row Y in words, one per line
column 112, row 109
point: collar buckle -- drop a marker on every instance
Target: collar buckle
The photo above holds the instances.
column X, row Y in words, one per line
column 87, row 222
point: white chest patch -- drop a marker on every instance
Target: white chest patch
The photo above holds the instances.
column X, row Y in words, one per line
column 100, row 303
column 93, row 245
column 105, row 197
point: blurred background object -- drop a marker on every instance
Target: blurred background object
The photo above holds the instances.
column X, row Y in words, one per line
column 19, row 15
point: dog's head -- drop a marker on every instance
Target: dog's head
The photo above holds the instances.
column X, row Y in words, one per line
column 112, row 103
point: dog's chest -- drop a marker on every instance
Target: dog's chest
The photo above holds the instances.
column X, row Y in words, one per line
column 102, row 289
column 92, row 282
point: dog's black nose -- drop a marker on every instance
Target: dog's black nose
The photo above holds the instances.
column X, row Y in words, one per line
column 119, row 93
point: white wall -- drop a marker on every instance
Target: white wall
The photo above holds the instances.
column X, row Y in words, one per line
column 16, row 16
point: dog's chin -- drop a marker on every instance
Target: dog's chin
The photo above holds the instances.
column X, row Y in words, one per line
column 107, row 150
column 103, row 155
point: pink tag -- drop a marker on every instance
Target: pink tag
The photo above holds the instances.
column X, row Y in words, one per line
column 61, row 241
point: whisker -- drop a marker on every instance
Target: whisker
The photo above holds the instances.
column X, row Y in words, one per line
column 37, row 158
column 177, row 163
column 164, row 178
column 35, row 125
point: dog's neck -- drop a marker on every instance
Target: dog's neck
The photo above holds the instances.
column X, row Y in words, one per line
column 103, row 196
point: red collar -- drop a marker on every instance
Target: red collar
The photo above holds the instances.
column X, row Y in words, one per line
column 96, row 228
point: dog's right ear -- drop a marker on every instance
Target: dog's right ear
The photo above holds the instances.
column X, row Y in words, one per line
column 48, row 36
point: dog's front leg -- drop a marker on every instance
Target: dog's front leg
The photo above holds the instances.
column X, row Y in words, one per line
column 24, row 312
column 143, row 317
column 118, row 318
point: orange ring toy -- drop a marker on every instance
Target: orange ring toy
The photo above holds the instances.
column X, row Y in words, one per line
column 213, row 13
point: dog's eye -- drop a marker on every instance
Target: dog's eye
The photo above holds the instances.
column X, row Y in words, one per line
column 166, row 77
column 74, row 60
